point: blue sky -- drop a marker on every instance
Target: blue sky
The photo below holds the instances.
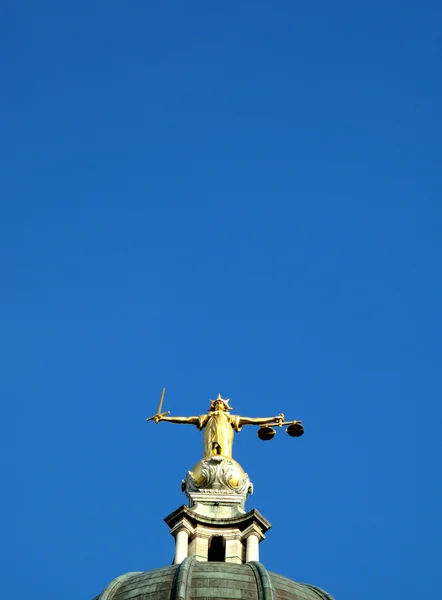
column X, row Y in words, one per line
column 229, row 197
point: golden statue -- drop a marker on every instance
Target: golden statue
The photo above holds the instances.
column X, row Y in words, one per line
column 219, row 426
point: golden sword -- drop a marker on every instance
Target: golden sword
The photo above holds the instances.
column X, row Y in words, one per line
column 160, row 406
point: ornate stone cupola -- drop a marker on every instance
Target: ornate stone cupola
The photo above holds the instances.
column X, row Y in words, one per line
column 215, row 526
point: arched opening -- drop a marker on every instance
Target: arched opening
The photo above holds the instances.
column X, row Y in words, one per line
column 217, row 549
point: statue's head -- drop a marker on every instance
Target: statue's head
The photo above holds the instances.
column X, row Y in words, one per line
column 220, row 404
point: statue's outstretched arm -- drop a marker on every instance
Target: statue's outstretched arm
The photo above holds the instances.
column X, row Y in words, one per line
column 261, row 420
column 180, row 420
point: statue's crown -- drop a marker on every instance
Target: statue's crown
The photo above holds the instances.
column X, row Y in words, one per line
column 219, row 399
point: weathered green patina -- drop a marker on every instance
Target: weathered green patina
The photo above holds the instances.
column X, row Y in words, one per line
column 193, row 580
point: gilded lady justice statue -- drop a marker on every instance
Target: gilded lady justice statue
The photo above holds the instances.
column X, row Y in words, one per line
column 217, row 472
column 219, row 426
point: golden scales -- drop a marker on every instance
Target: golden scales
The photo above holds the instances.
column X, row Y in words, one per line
column 294, row 429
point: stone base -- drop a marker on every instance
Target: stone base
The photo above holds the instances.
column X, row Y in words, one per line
column 216, row 506
column 217, row 486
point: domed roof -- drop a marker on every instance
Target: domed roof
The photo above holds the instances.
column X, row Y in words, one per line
column 194, row 580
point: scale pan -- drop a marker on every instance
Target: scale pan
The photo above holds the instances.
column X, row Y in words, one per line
column 266, row 433
column 295, row 430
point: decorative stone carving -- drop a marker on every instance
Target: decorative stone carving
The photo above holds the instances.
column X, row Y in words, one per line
column 217, row 475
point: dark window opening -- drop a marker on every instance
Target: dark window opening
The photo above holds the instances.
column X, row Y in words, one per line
column 217, row 550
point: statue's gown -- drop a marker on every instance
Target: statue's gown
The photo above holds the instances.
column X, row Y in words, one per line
column 219, row 427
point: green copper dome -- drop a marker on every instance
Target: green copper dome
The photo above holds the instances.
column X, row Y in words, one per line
column 194, row 580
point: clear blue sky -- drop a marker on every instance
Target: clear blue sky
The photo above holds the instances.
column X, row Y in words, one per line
column 234, row 197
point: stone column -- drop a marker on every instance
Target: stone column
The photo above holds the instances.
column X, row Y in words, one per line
column 252, row 548
column 181, row 546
